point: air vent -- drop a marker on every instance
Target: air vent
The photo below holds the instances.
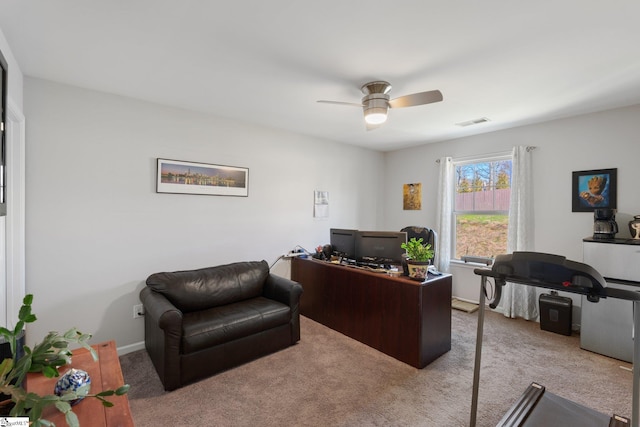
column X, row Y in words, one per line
column 473, row 122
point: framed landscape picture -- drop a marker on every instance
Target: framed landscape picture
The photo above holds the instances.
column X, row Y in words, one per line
column 176, row 176
column 594, row 189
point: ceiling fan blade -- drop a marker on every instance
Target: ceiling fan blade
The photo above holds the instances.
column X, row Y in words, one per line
column 351, row 104
column 414, row 99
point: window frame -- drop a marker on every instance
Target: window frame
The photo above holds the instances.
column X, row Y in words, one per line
column 4, row 89
column 496, row 157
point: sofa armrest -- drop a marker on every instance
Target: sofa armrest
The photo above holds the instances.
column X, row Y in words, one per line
column 282, row 290
column 163, row 336
column 158, row 308
column 287, row 292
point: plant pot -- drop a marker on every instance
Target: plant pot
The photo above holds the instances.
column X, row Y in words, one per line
column 6, row 404
column 5, row 347
column 418, row 269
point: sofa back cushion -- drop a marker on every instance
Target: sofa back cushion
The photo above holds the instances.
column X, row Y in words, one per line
column 193, row 290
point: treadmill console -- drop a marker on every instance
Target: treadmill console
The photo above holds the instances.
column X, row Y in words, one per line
column 548, row 271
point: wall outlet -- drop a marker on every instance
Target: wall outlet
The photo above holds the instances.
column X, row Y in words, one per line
column 138, row 311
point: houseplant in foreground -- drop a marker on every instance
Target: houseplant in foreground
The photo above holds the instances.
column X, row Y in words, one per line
column 46, row 357
column 418, row 257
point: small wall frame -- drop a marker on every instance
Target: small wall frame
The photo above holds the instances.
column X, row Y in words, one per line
column 182, row 177
column 594, row 189
column 412, row 197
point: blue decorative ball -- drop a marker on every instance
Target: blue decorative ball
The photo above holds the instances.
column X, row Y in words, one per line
column 74, row 380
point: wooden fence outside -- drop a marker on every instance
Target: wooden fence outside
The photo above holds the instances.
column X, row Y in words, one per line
column 487, row 200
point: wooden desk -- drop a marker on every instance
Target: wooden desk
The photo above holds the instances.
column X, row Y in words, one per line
column 406, row 319
column 105, row 374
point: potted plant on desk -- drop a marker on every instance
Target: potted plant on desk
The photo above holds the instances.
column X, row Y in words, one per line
column 52, row 353
column 419, row 257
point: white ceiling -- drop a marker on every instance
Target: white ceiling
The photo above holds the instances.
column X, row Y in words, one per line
column 269, row 61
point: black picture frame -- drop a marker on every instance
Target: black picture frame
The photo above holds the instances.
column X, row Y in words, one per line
column 594, row 189
column 182, row 177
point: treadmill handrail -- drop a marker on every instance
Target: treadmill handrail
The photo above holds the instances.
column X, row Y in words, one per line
column 501, row 280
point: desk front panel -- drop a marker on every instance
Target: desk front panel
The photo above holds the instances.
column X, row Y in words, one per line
column 400, row 317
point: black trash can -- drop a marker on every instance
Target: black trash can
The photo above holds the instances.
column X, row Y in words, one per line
column 555, row 313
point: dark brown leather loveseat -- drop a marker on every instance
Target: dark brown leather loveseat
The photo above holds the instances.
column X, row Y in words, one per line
column 200, row 322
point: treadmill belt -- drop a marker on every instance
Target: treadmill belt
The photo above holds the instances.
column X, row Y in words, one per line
column 553, row 410
column 540, row 408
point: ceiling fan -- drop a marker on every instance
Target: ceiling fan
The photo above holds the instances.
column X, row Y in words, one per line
column 376, row 102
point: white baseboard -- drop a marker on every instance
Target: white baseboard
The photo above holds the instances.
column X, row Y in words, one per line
column 130, row 348
column 466, row 300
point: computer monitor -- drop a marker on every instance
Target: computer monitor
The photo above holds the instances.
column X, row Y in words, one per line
column 343, row 242
column 380, row 247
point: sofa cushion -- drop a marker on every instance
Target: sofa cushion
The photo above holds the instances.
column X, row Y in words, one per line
column 193, row 290
column 207, row 328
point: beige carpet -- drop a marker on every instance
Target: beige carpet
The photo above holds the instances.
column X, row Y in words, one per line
column 328, row 379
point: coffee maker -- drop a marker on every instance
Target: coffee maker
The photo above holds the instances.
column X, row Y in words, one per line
column 604, row 223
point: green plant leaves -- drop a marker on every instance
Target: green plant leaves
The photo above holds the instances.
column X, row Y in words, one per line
column 122, row 390
column 417, row 251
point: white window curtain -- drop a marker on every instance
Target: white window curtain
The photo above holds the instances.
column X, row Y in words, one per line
column 520, row 300
column 444, row 215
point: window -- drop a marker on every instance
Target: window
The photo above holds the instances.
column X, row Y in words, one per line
column 481, row 207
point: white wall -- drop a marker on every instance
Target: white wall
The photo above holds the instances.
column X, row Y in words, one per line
column 96, row 228
column 595, row 141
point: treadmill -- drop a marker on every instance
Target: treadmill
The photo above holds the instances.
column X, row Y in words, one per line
column 538, row 407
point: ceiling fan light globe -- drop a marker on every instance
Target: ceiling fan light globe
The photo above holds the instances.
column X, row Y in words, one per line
column 375, row 118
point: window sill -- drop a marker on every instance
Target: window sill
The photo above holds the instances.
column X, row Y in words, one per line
column 472, row 265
